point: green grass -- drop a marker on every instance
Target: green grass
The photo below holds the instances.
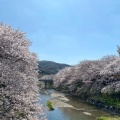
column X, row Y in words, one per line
column 49, row 105
column 110, row 100
column 108, row 118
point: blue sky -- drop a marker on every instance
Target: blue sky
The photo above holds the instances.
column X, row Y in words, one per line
column 66, row 31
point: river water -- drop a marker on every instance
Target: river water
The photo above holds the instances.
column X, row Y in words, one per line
column 89, row 113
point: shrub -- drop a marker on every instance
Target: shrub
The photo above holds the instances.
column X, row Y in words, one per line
column 49, row 105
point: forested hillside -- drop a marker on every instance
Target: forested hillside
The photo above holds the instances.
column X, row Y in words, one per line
column 49, row 67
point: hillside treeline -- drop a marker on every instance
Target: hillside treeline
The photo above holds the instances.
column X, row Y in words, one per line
column 49, row 67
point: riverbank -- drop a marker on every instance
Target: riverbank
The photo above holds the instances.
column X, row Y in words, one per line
column 108, row 118
column 102, row 101
column 104, row 105
column 70, row 107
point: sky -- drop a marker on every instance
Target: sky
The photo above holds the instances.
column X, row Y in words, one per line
column 66, row 31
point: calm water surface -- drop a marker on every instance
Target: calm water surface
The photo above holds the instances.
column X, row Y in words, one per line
column 72, row 114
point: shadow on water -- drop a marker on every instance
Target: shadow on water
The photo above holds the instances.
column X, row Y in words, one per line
column 69, row 113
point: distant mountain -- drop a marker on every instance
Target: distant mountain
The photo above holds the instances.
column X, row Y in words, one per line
column 50, row 67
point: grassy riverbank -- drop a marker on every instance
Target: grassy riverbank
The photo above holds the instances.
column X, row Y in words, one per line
column 108, row 118
column 110, row 100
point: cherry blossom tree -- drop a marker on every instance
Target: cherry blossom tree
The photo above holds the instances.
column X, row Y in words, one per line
column 89, row 74
column 18, row 77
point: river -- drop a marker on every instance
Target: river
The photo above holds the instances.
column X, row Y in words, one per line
column 86, row 112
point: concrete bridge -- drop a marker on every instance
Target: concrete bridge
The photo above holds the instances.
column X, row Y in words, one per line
column 45, row 83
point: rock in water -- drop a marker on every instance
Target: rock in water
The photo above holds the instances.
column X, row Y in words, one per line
column 87, row 113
